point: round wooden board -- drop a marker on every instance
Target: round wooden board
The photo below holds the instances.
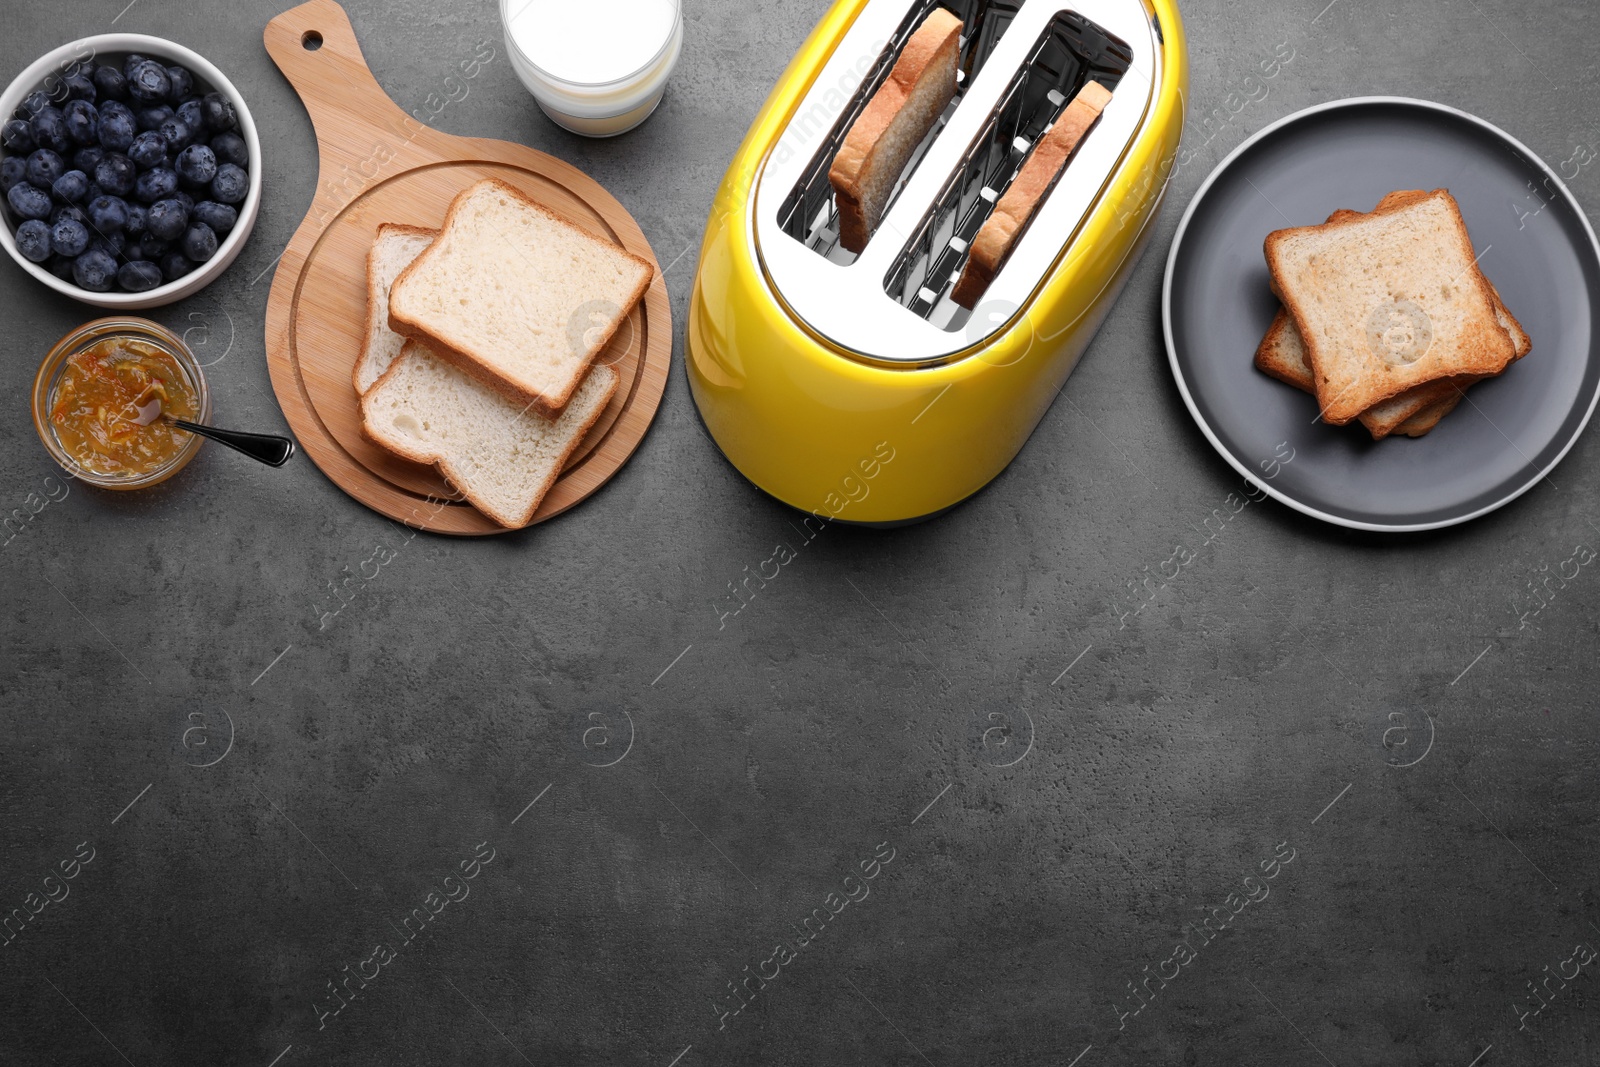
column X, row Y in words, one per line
column 378, row 166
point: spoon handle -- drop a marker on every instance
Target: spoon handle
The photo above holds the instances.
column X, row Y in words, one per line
column 268, row 448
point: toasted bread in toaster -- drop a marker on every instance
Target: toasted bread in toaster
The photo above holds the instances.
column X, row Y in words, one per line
column 1044, row 164
column 516, row 295
column 502, row 456
column 393, row 250
column 893, row 124
column 1388, row 301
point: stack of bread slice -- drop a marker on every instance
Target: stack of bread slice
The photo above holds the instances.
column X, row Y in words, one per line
column 481, row 344
column 1387, row 318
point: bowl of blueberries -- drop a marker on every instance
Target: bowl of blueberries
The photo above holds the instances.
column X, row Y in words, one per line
column 129, row 168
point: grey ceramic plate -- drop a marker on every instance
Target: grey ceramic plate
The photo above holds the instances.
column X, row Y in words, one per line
column 1535, row 244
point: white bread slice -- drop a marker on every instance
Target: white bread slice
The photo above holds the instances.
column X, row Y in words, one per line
column 1415, row 261
column 1000, row 231
column 502, row 456
column 517, row 296
column 393, row 250
column 893, row 124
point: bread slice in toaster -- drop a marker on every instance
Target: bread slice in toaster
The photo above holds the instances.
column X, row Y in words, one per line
column 894, row 123
column 1005, row 224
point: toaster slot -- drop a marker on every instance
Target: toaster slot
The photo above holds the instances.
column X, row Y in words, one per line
column 1070, row 52
column 808, row 212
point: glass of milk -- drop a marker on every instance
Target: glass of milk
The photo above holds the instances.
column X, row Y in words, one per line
column 596, row 67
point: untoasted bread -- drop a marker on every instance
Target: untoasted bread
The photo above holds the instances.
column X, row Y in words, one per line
column 899, row 115
column 393, row 250
column 1001, row 230
column 1407, row 278
column 502, row 456
column 510, row 292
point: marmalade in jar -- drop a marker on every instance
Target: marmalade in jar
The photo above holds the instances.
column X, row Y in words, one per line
column 95, row 403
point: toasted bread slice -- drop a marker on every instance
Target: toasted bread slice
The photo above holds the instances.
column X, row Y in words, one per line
column 502, row 456
column 899, row 115
column 516, row 295
column 1388, row 301
column 1282, row 355
column 393, row 250
column 1001, row 230
column 1419, row 424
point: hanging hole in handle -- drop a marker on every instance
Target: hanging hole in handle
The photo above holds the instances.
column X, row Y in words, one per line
column 311, row 40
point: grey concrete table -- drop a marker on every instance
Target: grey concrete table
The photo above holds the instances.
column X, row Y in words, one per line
column 925, row 801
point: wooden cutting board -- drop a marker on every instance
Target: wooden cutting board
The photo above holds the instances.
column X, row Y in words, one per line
column 379, row 164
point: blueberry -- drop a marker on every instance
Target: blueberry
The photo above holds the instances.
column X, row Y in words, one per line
column 175, row 265
column 44, row 167
column 199, row 242
column 149, row 82
column 185, row 199
column 159, row 183
column 181, row 81
column 197, row 165
column 111, row 244
column 80, row 87
column 13, row 171
column 129, row 64
column 220, row 217
column 219, row 114
column 230, row 185
column 36, row 102
column 192, row 116
column 95, row 270
column 28, row 202
column 33, row 241
column 71, row 188
column 140, row 276
column 86, row 159
column 18, row 136
column 108, row 214
column 153, row 248
column 83, row 122
column 50, row 130
column 61, row 267
column 178, row 135
column 151, row 118
column 110, row 82
column 138, row 220
column 68, row 211
column 118, row 127
column 230, row 148
column 148, row 150
column 116, row 174
column 69, row 237
column 167, row 220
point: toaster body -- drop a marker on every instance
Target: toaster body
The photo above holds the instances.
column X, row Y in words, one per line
column 851, row 386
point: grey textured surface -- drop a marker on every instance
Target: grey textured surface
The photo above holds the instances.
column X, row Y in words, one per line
column 1272, row 694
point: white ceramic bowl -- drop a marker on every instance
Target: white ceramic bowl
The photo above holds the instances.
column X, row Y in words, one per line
column 112, row 48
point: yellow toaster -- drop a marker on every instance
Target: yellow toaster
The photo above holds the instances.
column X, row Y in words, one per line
column 851, row 385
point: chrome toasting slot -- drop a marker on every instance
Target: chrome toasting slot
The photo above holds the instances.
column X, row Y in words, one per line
column 1020, row 63
column 1070, row 52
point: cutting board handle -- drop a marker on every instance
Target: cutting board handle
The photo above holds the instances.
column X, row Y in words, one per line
column 356, row 122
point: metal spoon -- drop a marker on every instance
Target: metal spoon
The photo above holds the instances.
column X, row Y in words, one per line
column 268, row 448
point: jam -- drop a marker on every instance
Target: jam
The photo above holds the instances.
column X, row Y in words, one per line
column 95, row 404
